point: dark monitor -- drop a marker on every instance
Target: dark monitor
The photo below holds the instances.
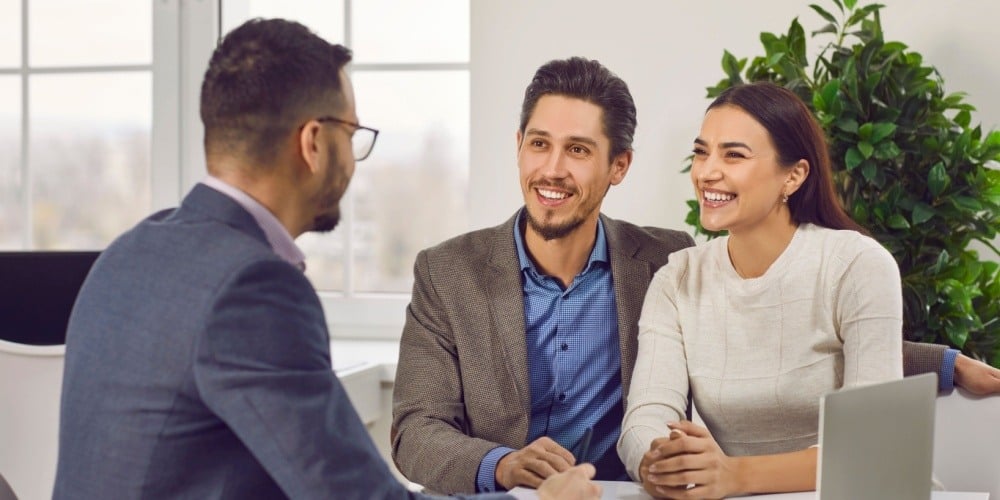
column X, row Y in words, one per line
column 37, row 292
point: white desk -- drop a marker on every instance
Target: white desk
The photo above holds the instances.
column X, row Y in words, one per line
column 623, row 490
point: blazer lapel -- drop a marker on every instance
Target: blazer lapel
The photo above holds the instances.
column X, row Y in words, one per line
column 506, row 302
column 631, row 276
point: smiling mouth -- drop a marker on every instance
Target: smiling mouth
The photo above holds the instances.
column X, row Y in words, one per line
column 715, row 199
column 718, row 197
column 549, row 194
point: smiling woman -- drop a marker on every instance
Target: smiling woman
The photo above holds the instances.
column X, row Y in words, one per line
column 796, row 301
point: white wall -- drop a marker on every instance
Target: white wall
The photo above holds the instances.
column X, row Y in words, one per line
column 668, row 52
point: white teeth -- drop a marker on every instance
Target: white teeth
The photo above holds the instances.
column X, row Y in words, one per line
column 712, row 196
column 552, row 195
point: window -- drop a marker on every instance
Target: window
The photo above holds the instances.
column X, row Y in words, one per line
column 411, row 79
column 75, row 121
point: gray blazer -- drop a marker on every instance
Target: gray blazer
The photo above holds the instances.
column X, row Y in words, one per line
column 462, row 379
column 198, row 366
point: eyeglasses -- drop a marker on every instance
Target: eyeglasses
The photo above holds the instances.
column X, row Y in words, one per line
column 363, row 139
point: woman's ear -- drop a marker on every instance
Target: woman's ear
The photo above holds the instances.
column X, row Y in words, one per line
column 796, row 177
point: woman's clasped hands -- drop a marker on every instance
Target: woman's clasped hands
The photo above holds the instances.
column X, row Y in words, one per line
column 688, row 464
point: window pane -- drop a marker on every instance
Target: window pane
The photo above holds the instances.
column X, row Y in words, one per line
column 325, row 18
column 404, row 31
column 91, row 33
column 411, row 192
column 10, row 34
column 89, row 157
column 325, row 255
column 11, row 202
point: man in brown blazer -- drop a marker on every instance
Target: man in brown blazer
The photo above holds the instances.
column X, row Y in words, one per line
column 500, row 372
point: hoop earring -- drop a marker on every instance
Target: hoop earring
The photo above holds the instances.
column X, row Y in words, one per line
column 784, row 198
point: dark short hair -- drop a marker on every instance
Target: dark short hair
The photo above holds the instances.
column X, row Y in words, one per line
column 587, row 80
column 797, row 136
column 262, row 80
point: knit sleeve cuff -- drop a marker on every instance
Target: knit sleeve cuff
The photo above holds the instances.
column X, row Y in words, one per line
column 946, row 381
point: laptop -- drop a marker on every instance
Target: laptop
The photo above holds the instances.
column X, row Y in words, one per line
column 877, row 441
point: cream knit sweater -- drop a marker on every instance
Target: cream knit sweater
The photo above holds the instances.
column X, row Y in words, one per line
column 757, row 354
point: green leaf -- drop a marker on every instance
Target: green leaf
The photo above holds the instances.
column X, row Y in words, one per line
column 865, row 131
column 897, row 221
column 829, row 28
column 922, row 212
column 963, row 118
column 967, row 203
column 823, row 13
column 850, row 4
column 730, row 65
column 839, row 5
column 797, row 41
column 866, row 149
column 992, row 140
column 958, row 335
column 848, row 125
column 868, row 170
column 882, row 130
column 775, row 58
column 853, row 158
column 830, row 91
column 887, row 150
column 937, row 179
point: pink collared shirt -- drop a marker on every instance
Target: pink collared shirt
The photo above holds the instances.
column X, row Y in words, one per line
column 277, row 236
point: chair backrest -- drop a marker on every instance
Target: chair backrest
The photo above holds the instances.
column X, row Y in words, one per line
column 967, row 442
column 30, row 387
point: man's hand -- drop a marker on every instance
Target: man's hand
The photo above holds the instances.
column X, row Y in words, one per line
column 530, row 465
column 688, row 464
column 573, row 484
column 976, row 377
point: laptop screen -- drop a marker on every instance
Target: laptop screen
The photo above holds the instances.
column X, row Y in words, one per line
column 877, row 441
column 37, row 292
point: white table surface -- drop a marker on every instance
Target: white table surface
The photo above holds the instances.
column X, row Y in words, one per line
column 625, row 490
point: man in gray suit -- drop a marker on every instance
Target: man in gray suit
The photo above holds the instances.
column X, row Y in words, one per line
column 197, row 356
column 520, row 339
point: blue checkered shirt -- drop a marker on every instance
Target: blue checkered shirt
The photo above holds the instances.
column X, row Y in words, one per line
column 574, row 361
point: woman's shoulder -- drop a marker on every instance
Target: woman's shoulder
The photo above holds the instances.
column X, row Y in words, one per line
column 692, row 260
column 843, row 248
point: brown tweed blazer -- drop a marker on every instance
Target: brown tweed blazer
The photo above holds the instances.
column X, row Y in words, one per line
column 462, row 380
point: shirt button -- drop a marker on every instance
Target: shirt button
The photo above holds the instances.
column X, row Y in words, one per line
column 562, row 397
column 564, row 346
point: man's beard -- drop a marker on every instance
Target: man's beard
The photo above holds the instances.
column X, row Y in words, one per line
column 553, row 231
column 326, row 222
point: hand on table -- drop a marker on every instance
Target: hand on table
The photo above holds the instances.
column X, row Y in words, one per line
column 530, row 465
column 976, row 377
column 688, row 464
column 572, row 484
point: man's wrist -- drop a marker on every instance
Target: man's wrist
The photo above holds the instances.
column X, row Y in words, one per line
column 486, row 476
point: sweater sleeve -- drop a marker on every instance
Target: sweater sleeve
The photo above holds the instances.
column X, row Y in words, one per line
column 870, row 317
column 659, row 387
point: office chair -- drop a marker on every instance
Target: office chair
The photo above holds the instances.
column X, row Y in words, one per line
column 30, row 387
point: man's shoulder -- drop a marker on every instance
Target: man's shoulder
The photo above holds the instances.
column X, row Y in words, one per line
column 648, row 237
column 474, row 246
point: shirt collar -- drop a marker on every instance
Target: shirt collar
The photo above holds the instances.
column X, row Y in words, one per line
column 277, row 236
column 598, row 254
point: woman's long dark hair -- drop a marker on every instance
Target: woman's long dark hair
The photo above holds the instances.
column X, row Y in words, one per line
column 796, row 136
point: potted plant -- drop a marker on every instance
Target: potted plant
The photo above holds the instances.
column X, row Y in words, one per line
column 908, row 165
